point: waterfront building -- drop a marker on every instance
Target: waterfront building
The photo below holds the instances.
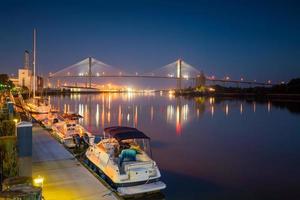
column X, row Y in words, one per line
column 25, row 76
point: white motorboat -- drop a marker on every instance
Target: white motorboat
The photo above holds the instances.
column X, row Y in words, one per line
column 38, row 105
column 49, row 120
column 70, row 133
column 122, row 161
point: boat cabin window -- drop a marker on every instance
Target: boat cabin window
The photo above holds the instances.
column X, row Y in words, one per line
column 139, row 145
column 70, row 125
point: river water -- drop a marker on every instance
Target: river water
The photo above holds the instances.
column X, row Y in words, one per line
column 206, row 148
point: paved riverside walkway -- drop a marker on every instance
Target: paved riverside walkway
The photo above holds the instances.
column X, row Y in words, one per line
column 64, row 177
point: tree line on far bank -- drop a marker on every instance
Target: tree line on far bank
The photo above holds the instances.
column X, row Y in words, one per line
column 292, row 87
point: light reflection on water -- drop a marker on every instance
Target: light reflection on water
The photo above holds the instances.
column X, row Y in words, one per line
column 205, row 147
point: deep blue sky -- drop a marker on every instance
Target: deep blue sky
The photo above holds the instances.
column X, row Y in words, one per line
column 255, row 39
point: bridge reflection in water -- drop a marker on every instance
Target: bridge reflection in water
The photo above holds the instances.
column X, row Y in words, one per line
column 110, row 109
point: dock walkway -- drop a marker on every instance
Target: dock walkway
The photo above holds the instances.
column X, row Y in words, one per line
column 64, row 177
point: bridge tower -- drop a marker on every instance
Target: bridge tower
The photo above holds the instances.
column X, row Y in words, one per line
column 179, row 63
column 90, row 72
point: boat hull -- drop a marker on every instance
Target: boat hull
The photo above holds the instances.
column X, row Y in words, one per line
column 141, row 189
column 128, row 189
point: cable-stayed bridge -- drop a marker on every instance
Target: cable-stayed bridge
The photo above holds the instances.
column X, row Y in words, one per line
column 91, row 68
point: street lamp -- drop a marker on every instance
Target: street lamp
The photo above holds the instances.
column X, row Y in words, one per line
column 38, row 181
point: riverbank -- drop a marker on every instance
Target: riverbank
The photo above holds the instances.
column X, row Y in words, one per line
column 241, row 95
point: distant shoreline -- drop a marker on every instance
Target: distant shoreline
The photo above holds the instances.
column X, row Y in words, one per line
column 278, row 96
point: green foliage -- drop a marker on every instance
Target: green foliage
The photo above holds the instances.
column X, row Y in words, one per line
column 5, row 83
column 8, row 128
column 9, row 156
column 201, row 88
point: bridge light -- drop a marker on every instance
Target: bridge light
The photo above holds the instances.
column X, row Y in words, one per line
column 213, row 77
column 227, row 78
column 186, row 76
column 103, row 73
column 254, row 80
column 269, row 81
column 242, row 79
column 120, row 73
column 136, row 73
column 97, row 74
column 68, row 73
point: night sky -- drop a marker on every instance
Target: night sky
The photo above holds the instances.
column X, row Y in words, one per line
column 254, row 39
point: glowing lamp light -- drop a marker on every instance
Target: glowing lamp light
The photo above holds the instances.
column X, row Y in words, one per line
column 16, row 121
column 171, row 91
column 38, row 181
column 211, row 89
column 129, row 89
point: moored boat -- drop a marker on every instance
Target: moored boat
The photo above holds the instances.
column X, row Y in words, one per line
column 38, row 105
column 122, row 161
column 71, row 133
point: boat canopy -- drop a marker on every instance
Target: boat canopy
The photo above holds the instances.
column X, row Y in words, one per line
column 124, row 133
column 71, row 116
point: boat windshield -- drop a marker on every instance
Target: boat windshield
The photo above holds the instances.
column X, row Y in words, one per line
column 139, row 144
column 40, row 101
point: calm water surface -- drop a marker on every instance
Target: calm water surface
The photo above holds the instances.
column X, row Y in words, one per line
column 207, row 148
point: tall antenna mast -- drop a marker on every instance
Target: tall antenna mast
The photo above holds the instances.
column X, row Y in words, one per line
column 34, row 62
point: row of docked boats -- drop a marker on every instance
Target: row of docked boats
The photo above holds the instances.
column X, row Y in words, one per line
column 122, row 157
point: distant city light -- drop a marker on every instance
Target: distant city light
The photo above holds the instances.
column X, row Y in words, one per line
column 211, row 89
column 129, row 89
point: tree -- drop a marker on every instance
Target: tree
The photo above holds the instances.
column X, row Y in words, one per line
column 4, row 80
